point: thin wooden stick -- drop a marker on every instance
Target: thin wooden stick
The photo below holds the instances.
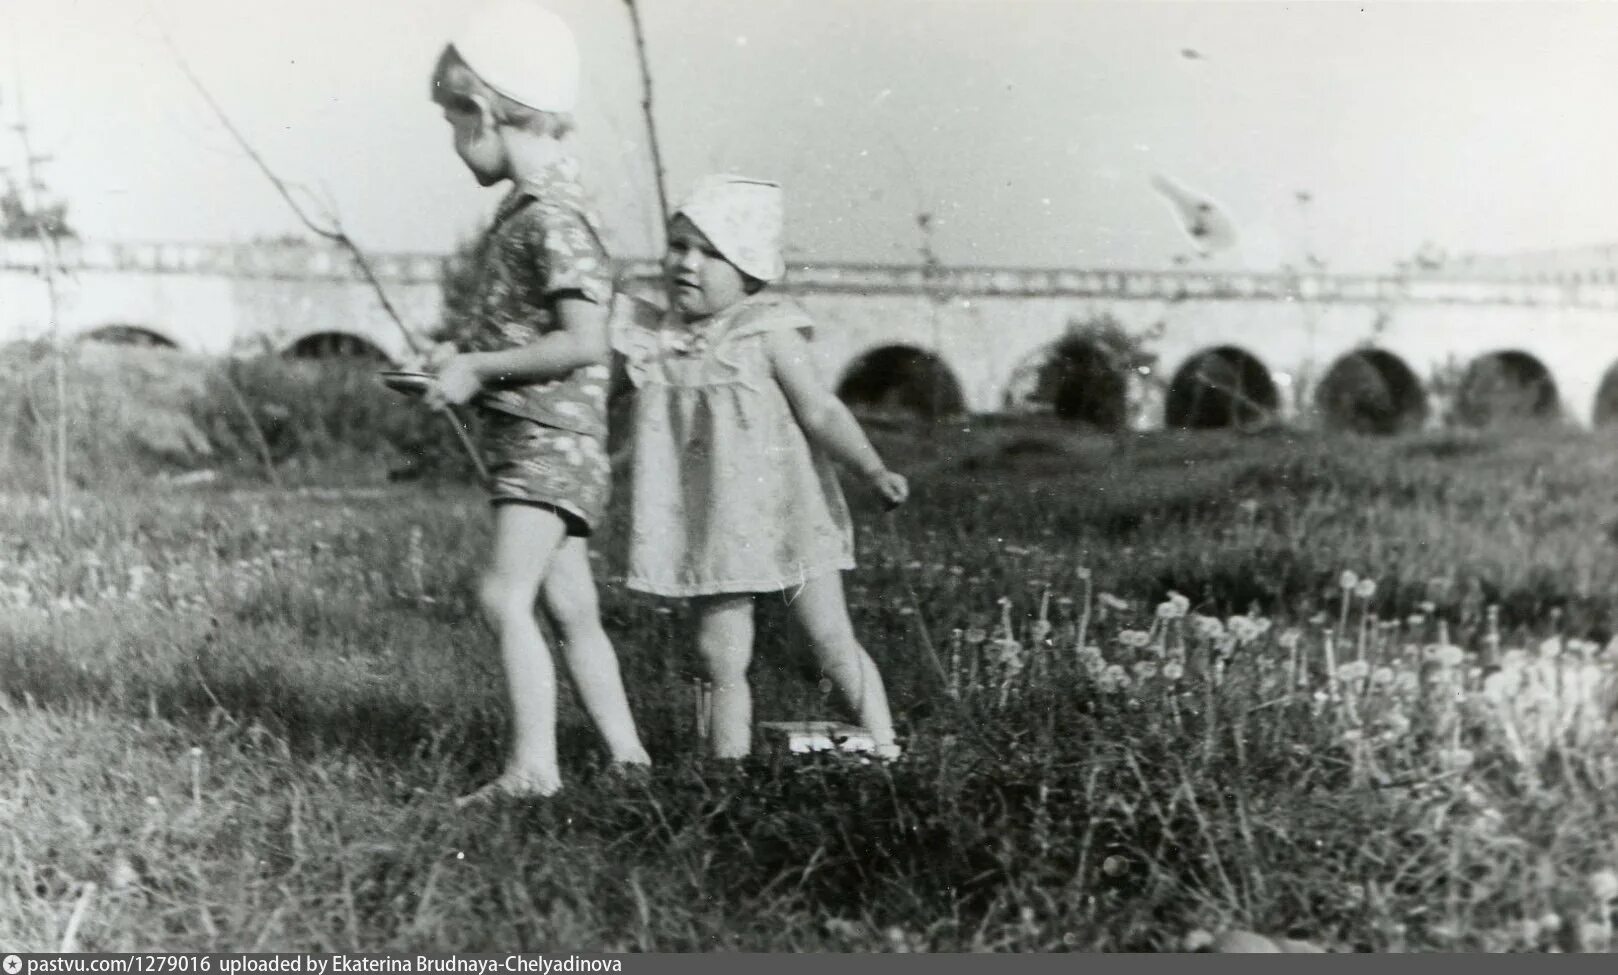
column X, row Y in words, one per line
column 333, row 233
column 646, row 109
column 81, row 910
column 57, row 460
column 259, row 440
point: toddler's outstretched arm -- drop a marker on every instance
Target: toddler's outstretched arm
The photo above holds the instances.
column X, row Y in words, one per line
column 826, row 421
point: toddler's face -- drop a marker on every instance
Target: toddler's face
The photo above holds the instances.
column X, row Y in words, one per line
column 701, row 281
column 476, row 138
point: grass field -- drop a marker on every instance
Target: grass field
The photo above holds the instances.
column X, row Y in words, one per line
column 1141, row 700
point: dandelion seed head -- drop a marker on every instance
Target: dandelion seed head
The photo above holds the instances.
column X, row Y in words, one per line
column 1207, row 627
column 1448, row 655
column 1396, row 725
column 1366, row 588
column 1456, row 759
column 1348, row 580
column 1595, row 936
column 1604, row 886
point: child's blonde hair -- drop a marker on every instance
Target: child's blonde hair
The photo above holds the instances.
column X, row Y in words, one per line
column 455, row 84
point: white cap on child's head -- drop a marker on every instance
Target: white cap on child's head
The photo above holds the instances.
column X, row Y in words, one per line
column 524, row 52
column 742, row 218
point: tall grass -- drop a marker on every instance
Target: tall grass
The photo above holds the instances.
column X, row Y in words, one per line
column 1141, row 697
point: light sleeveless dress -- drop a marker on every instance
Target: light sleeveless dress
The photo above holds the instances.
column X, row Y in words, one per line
column 725, row 494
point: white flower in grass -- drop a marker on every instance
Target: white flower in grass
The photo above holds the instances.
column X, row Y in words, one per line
column 1146, row 670
column 1114, row 679
column 1445, row 655
column 1173, row 671
column 1348, row 580
column 1502, row 685
column 1551, row 649
column 1366, row 588
column 1207, row 627
column 1353, row 672
column 1604, row 886
column 1396, row 725
column 1181, row 602
column 1244, row 629
column 1595, row 936
column 1456, row 759
column 1289, row 638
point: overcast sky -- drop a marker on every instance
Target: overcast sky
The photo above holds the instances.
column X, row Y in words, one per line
column 1030, row 129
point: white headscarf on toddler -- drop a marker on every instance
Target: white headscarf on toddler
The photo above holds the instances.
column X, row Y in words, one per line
column 524, row 52
column 742, row 218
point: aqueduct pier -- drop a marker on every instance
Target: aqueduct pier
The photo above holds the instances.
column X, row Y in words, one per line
column 1147, row 348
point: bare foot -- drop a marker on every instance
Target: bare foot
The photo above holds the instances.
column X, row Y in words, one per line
column 510, row 786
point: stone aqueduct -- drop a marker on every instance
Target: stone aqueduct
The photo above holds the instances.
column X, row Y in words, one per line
column 1378, row 353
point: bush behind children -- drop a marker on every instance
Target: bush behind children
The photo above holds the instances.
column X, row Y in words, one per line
column 731, row 489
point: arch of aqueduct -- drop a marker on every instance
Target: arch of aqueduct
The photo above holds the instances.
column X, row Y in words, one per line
column 1277, row 338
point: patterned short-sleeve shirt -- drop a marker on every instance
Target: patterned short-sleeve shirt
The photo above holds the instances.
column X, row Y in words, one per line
column 545, row 243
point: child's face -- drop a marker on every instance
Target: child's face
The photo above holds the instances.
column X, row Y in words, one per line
column 701, row 281
column 476, row 138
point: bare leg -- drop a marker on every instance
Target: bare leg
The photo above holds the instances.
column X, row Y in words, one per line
column 569, row 598
column 526, row 538
column 821, row 610
column 725, row 641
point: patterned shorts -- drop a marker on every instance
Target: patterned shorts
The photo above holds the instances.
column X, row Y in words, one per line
column 531, row 463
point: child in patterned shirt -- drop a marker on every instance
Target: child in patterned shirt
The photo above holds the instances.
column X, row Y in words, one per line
column 533, row 353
